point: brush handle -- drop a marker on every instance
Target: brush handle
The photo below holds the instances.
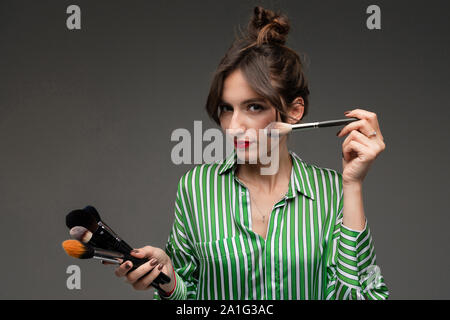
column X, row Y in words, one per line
column 108, row 256
column 322, row 124
column 162, row 278
column 333, row 123
column 107, row 239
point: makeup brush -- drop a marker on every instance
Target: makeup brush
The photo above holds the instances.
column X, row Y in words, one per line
column 81, row 218
column 83, row 235
column 79, row 250
column 102, row 235
column 87, row 227
column 90, row 239
column 93, row 212
column 285, row 128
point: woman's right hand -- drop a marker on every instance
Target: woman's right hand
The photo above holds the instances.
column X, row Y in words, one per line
column 159, row 261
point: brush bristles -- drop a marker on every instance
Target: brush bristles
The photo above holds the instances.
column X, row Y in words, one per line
column 278, row 129
column 93, row 212
column 81, row 218
column 81, row 233
column 77, row 249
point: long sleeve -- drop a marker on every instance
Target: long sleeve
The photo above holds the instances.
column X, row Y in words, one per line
column 352, row 269
column 180, row 251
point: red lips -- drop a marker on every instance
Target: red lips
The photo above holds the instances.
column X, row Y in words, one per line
column 241, row 143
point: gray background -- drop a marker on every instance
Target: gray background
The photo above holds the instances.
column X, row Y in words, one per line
column 86, row 118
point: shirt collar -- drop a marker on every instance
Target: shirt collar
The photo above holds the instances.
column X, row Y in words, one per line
column 300, row 178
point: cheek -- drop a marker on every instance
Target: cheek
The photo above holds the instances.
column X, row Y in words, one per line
column 272, row 116
column 224, row 124
column 264, row 121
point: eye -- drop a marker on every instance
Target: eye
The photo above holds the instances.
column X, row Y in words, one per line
column 255, row 107
column 225, row 108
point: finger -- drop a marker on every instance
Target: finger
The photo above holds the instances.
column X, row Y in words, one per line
column 145, row 282
column 362, row 126
column 362, row 151
column 107, row 263
column 362, row 114
column 144, row 252
column 371, row 117
column 372, row 147
column 361, row 138
column 376, row 145
column 134, row 276
column 122, row 270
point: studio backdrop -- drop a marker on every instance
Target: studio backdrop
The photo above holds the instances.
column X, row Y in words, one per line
column 91, row 93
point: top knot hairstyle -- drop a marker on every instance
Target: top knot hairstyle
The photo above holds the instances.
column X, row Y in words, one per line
column 268, row 27
column 272, row 70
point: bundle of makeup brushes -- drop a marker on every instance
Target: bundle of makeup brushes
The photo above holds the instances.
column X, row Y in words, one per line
column 92, row 238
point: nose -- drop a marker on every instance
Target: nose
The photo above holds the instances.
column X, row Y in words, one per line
column 237, row 124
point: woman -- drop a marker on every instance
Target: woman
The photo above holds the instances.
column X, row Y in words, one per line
column 299, row 233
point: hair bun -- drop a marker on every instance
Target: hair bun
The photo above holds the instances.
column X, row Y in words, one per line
column 268, row 27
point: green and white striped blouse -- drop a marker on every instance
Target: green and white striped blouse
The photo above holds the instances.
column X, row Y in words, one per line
column 308, row 253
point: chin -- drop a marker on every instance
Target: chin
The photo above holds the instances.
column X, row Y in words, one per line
column 251, row 155
column 248, row 155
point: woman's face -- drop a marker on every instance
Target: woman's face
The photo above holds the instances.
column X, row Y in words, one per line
column 243, row 116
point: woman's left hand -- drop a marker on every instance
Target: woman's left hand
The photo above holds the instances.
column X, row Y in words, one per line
column 361, row 147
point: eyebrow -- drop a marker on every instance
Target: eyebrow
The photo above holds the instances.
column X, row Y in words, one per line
column 247, row 101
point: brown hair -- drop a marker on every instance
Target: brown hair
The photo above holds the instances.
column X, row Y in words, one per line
column 273, row 70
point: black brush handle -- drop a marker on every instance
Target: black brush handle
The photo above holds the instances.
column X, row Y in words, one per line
column 162, row 278
column 332, row 123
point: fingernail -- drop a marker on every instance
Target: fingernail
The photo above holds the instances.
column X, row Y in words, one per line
column 338, row 132
column 135, row 251
column 347, row 112
column 153, row 262
column 127, row 266
column 160, row 267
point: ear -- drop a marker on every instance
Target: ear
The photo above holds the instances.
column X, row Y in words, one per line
column 296, row 110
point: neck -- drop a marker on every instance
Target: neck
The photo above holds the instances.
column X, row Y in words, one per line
column 251, row 173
